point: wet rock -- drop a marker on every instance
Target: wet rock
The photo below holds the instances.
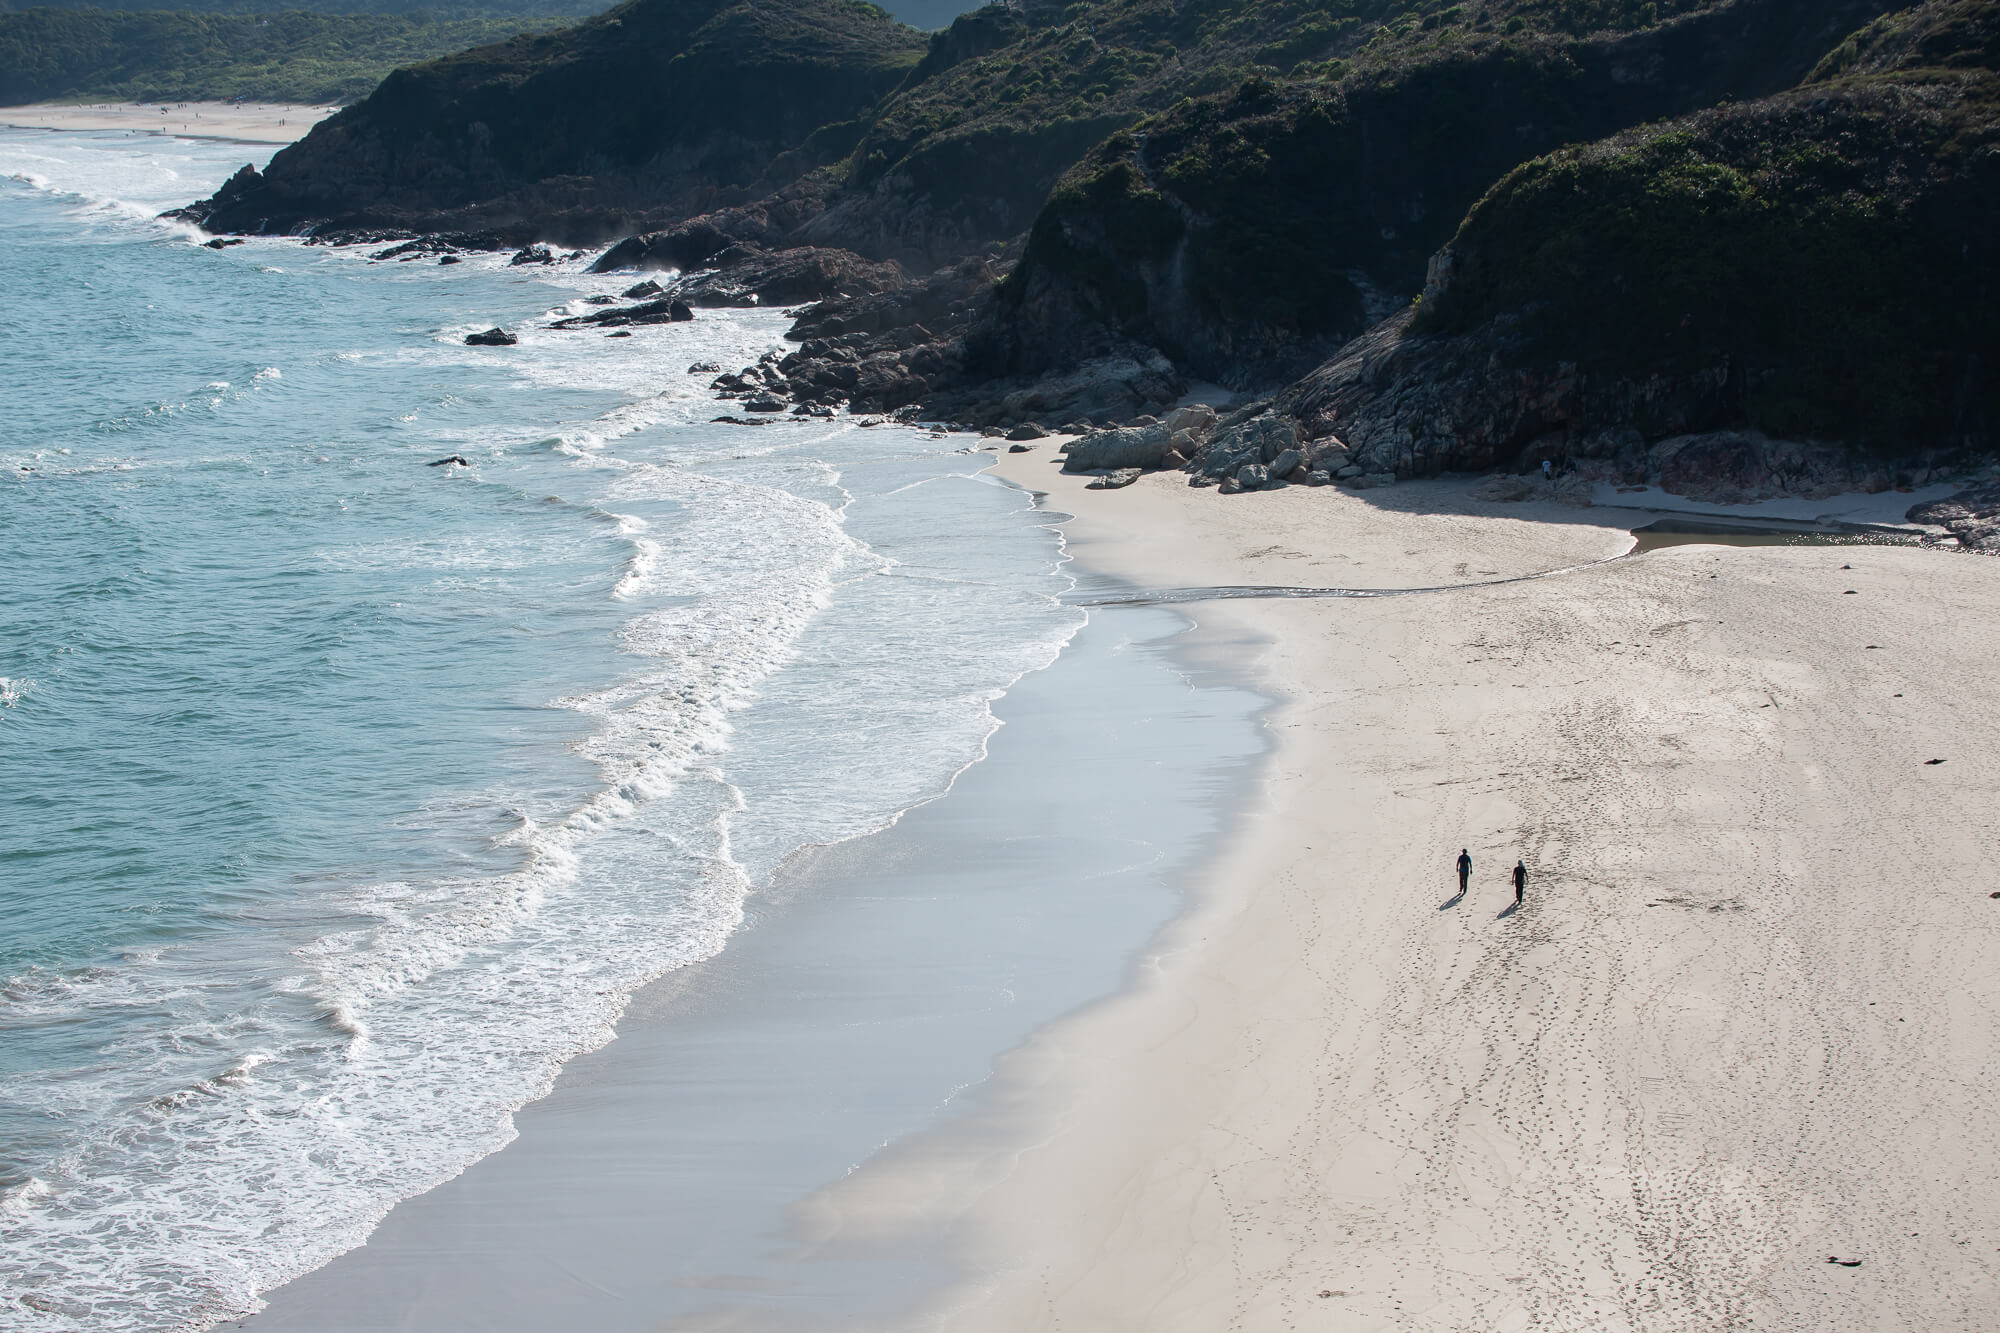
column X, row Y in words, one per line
column 679, row 312
column 764, row 403
column 532, row 254
column 450, row 259
column 455, row 460
column 223, row 242
column 704, row 368
column 495, row 337
column 640, row 291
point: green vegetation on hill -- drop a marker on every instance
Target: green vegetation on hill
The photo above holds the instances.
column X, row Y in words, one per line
column 674, row 105
column 1835, row 245
column 1247, row 233
column 95, row 55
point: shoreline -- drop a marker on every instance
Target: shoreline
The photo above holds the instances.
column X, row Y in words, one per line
column 655, row 1186
column 233, row 122
column 1649, row 1098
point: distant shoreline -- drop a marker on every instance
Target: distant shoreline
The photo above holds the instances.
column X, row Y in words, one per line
column 240, row 122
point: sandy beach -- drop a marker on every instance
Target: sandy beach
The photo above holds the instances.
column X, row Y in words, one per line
column 1744, row 1023
column 250, row 122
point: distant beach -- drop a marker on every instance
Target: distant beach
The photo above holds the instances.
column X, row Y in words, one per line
column 244, row 122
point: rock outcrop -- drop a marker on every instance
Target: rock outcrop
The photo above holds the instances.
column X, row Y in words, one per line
column 1972, row 516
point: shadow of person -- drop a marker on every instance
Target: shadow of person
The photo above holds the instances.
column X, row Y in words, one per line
column 1452, row 901
column 1508, row 911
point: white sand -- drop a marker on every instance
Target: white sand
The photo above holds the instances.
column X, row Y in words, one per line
column 1747, row 1019
column 253, row 122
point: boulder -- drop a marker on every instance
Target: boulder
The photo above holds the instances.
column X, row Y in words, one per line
column 450, row 259
column 679, row 312
column 1318, row 477
column 764, row 403
column 533, row 254
column 1369, row 481
column 455, row 460
column 704, row 368
column 491, row 338
column 1197, row 420
column 1115, row 480
column 1132, row 446
column 640, row 291
column 1020, row 448
column 1229, row 486
column 1286, row 463
column 1253, row 477
column 1027, row 430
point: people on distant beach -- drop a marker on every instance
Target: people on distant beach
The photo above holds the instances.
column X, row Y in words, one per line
column 1548, row 470
column 1520, row 882
column 1464, row 870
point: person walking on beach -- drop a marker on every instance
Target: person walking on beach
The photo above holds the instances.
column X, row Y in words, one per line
column 1548, row 470
column 1464, row 870
column 1520, row 882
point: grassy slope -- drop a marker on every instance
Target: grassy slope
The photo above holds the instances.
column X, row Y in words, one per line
column 1835, row 243
column 49, row 54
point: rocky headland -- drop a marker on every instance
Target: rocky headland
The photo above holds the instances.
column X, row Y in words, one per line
column 1732, row 248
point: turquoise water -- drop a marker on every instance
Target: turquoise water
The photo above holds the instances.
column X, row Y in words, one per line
column 343, row 798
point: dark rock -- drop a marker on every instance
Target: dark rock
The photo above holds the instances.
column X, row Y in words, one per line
column 764, row 403
column 621, row 333
column 678, row 312
column 1972, row 516
column 454, row 460
column 1027, row 430
column 600, row 300
column 532, row 254
column 704, row 368
column 640, row 291
column 1020, row 448
column 495, row 337
column 744, row 275
column 1253, row 477
column 742, row 421
column 1138, row 446
column 223, row 242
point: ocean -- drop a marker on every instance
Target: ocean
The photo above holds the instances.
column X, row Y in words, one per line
column 344, row 798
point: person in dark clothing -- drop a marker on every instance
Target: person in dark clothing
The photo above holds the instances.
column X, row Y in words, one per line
column 1520, row 881
column 1464, row 870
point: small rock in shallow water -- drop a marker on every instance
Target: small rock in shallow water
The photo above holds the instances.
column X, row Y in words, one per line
column 446, row 462
column 491, row 338
column 642, row 290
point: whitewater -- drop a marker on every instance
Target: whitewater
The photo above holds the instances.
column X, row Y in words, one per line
column 344, row 798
